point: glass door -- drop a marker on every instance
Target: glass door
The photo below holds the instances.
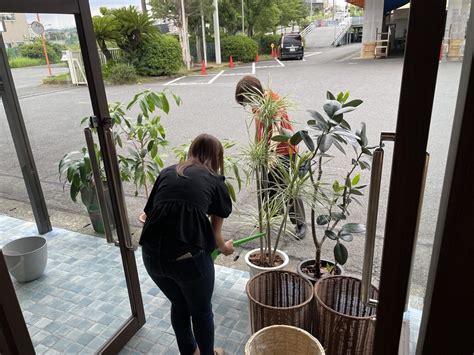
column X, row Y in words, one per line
column 89, row 298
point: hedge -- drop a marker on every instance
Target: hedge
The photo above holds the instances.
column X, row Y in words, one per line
column 35, row 50
column 241, row 48
column 122, row 73
column 265, row 43
column 159, row 55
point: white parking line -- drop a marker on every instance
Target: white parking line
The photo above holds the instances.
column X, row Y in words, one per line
column 214, row 78
column 174, row 80
column 311, row 54
column 253, row 68
column 232, row 74
column 268, row 66
column 279, row 62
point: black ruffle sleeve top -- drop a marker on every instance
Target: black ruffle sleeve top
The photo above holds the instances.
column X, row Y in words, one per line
column 178, row 207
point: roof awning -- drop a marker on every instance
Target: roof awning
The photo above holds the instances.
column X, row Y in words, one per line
column 389, row 5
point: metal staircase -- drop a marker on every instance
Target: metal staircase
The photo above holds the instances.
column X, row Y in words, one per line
column 342, row 30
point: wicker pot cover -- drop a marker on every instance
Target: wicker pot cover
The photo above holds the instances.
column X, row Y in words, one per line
column 343, row 324
column 279, row 297
column 283, row 340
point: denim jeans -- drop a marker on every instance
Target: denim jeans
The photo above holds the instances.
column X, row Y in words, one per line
column 188, row 284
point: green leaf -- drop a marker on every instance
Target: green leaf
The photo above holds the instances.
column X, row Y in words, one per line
column 347, row 237
column 231, row 190
column 237, row 175
column 366, row 151
column 85, row 119
column 340, row 96
column 356, row 192
column 331, row 106
column 364, row 165
column 296, row 138
column 340, row 254
column 353, row 103
column 338, row 146
column 308, row 141
column 336, row 186
column 280, row 138
column 353, row 228
column 322, row 220
column 346, row 96
column 338, row 216
column 344, row 110
column 325, row 141
column 165, row 104
column 330, row 234
column 355, row 180
column 330, row 96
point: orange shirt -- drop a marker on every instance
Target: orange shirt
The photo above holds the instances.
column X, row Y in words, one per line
column 282, row 148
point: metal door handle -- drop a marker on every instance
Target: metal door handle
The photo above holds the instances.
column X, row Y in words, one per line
column 371, row 225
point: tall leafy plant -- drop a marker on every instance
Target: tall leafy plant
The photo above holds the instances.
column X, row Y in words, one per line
column 332, row 200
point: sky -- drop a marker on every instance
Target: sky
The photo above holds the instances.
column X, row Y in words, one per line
column 67, row 21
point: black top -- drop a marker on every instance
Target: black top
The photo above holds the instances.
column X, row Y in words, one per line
column 177, row 210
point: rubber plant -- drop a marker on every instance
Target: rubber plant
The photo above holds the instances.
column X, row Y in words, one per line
column 331, row 200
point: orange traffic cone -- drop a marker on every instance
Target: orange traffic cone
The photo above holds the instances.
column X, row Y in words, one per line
column 231, row 63
column 203, row 68
column 257, row 58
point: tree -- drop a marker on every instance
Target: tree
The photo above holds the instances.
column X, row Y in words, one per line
column 106, row 30
column 230, row 16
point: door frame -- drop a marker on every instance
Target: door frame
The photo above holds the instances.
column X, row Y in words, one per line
column 102, row 122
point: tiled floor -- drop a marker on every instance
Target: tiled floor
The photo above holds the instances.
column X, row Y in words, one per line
column 82, row 299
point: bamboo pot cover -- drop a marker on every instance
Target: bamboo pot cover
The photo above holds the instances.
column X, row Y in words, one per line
column 283, row 340
column 343, row 323
column 279, row 297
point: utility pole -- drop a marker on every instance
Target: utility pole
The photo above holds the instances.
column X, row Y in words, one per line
column 203, row 36
column 217, row 35
column 144, row 6
column 243, row 17
column 185, row 36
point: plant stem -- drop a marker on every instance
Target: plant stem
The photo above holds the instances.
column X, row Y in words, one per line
column 259, row 206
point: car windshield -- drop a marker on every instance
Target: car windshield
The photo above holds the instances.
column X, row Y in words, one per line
column 292, row 41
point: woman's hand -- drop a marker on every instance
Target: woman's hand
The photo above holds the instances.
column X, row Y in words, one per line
column 227, row 248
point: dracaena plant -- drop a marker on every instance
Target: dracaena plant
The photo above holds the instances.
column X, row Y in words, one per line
column 331, row 200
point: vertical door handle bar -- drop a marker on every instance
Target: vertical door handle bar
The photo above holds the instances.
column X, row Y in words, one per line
column 373, row 209
column 98, row 185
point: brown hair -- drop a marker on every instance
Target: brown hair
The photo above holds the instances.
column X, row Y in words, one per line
column 205, row 151
column 247, row 85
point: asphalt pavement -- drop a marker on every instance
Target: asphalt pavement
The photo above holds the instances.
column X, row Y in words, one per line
column 53, row 114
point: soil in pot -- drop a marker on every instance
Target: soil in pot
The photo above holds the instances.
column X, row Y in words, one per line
column 256, row 260
column 307, row 269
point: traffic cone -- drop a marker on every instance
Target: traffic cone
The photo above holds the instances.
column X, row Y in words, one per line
column 256, row 58
column 203, row 68
column 231, row 63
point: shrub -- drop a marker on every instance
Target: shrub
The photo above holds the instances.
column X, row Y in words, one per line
column 122, row 73
column 35, row 50
column 241, row 48
column 159, row 55
column 20, row 62
column 265, row 43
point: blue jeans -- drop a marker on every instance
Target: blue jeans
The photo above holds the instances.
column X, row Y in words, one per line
column 189, row 285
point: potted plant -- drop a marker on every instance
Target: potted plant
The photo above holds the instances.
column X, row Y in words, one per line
column 75, row 168
column 331, row 200
column 143, row 138
column 278, row 181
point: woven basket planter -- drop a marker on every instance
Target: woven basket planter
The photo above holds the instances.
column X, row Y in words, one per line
column 279, row 297
column 343, row 324
column 283, row 340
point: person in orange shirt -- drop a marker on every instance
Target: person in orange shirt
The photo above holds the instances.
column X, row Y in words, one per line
column 285, row 151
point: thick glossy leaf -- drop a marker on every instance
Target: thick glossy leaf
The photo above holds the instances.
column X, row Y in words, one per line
column 366, row 151
column 296, row 138
column 340, row 254
column 338, row 216
column 308, row 140
column 344, row 110
column 330, row 96
column 165, row 104
column 331, row 106
column 353, row 228
column 338, row 146
column 353, row 103
column 286, row 132
column 330, row 234
column 345, row 124
column 356, row 192
column 346, row 96
column 280, row 138
column 364, row 165
column 325, row 142
column 340, row 96
column 322, row 220
column 347, row 237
